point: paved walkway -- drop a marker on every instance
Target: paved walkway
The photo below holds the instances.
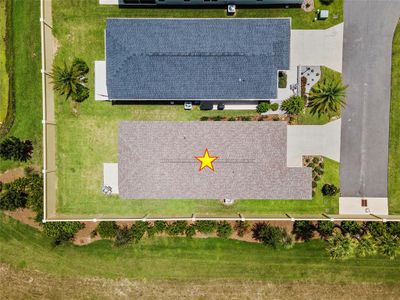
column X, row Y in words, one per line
column 49, row 127
column 312, row 140
column 368, row 34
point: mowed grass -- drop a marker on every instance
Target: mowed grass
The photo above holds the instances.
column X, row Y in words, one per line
column 394, row 140
column 25, row 48
column 3, row 67
column 86, row 141
column 187, row 259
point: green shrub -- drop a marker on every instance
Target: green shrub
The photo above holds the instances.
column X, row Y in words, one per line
column 177, row 228
column 190, row 231
column 263, row 107
column 282, row 83
column 366, row 246
column 15, row 149
column 160, row 226
column 204, row 118
column 315, row 160
column 393, row 228
column 274, row 106
column 242, row 227
column 138, row 230
column 107, row 229
column 376, row 229
column 12, row 199
column 269, row 235
column 151, row 231
column 340, row 246
column 329, row 189
column 351, row 227
column 231, row 119
column 303, row 230
column 206, row 226
column 293, row 106
column 61, row 231
column 224, row 229
column 287, row 239
column 246, row 118
column 325, row 228
column 123, row 236
column 388, row 245
column 317, row 178
column 217, row 118
column 313, row 184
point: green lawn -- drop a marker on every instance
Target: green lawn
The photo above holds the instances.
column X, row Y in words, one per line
column 3, row 68
column 187, row 259
column 394, row 144
column 86, row 141
column 26, row 58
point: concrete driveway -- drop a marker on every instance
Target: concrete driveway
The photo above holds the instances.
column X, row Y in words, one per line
column 317, row 48
column 368, row 34
column 313, row 140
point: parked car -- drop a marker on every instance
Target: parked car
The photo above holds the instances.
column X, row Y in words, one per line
column 206, row 106
column 188, row 105
column 221, row 106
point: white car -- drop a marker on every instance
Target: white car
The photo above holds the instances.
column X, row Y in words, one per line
column 188, row 105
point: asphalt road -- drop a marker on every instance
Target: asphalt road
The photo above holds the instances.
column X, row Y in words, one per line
column 368, row 34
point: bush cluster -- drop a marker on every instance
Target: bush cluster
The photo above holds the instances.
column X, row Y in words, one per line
column 24, row 192
column 242, row 227
column 13, row 148
column 263, row 107
column 329, row 189
column 293, row 106
column 61, row 231
column 282, row 82
column 272, row 236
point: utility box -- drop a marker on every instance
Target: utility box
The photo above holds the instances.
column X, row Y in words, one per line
column 323, row 14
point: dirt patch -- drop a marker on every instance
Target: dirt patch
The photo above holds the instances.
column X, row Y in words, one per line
column 85, row 236
column 24, row 215
column 11, row 175
column 26, row 284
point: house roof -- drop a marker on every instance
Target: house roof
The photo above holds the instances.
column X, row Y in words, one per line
column 157, row 161
column 195, row 58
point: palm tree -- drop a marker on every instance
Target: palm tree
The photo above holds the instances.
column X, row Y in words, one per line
column 327, row 98
column 70, row 80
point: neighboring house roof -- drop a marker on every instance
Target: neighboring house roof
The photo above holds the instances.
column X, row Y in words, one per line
column 195, row 58
column 157, row 161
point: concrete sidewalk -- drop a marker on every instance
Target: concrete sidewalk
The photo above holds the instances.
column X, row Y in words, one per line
column 313, row 140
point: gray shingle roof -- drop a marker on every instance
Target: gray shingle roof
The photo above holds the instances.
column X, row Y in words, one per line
column 156, row 161
column 195, row 58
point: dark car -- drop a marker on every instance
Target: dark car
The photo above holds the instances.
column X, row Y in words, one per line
column 221, row 106
column 206, row 106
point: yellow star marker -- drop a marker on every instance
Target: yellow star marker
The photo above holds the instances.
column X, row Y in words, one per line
column 206, row 160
